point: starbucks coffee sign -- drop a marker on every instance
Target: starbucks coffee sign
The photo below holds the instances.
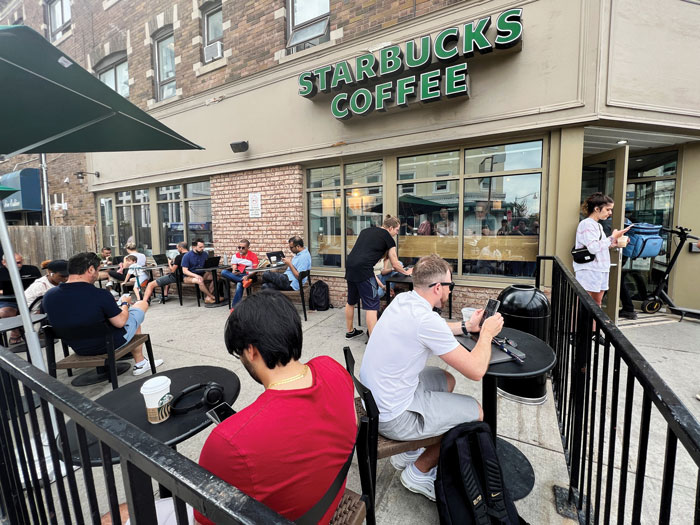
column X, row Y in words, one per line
column 375, row 83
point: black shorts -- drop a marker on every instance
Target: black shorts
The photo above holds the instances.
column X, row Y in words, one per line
column 366, row 291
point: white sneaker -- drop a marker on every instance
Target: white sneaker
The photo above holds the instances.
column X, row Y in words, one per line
column 418, row 482
column 401, row 461
column 145, row 366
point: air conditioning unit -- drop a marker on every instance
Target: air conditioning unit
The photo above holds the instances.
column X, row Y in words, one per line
column 213, row 51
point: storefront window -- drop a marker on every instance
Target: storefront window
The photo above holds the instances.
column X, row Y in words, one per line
column 107, row 218
column 168, row 193
column 323, row 177
column 363, row 208
column 430, row 165
column 124, row 226
column 197, row 189
column 662, row 164
column 199, row 221
column 429, row 223
column 142, row 229
column 505, row 157
column 171, row 225
column 363, row 173
column 324, row 227
column 501, row 225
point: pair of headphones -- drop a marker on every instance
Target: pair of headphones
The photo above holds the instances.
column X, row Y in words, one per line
column 212, row 395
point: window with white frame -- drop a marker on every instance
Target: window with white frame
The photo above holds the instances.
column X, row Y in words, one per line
column 165, row 65
column 213, row 24
column 114, row 72
column 59, row 18
column 308, row 24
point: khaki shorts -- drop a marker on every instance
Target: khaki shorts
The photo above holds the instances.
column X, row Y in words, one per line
column 433, row 410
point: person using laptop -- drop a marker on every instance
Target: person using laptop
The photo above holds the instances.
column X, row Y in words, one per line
column 415, row 401
column 241, row 262
column 191, row 262
column 166, row 280
column 289, row 280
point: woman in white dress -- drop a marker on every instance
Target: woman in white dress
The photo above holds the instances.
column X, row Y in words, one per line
column 594, row 275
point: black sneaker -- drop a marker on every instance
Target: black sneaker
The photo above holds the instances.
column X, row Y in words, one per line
column 355, row 332
column 163, row 299
column 628, row 315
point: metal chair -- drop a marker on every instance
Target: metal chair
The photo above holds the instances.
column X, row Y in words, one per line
column 181, row 282
column 302, row 275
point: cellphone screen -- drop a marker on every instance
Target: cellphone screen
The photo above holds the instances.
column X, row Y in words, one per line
column 220, row 412
column 491, row 308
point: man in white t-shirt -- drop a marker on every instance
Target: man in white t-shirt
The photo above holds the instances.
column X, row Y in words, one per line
column 415, row 401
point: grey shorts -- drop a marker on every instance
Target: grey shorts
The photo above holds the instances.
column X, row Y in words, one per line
column 166, row 279
column 433, row 410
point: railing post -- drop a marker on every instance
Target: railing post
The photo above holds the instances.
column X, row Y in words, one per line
column 578, row 385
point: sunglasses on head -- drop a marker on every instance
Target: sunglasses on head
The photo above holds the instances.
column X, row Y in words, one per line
column 450, row 284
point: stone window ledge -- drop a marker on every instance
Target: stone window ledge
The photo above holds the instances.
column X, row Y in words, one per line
column 211, row 66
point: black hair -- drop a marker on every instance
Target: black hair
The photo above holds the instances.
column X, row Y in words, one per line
column 296, row 241
column 197, row 241
column 268, row 321
column 81, row 262
column 596, row 200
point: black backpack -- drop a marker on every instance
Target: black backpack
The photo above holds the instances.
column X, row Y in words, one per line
column 469, row 487
column 319, row 297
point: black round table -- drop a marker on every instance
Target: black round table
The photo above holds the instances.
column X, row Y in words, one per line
column 517, row 470
column 127, row 402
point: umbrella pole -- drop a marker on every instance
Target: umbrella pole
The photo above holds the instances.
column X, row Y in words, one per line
column 45, row 188
column 32, row 338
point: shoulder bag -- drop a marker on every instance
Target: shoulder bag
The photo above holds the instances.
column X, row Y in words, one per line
column 582, row 255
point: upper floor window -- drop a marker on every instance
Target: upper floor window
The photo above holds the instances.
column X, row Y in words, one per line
column 114, row 71
column 165, row 66
column 59, row 18
column 308, row 24
column 213, row 30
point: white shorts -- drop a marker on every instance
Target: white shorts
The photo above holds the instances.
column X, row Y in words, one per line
column 593, row 280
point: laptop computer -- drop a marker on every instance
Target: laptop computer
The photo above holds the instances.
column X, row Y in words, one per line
column 275, row 258
column 117, row 259
column 160, row 258
column 212, row 262
column 497, row 355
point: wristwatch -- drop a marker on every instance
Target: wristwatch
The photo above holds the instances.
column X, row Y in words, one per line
column 464, row 329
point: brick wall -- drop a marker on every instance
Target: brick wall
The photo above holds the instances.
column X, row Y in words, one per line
column 282, row 213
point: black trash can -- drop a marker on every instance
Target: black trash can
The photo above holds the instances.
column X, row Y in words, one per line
column 527, row 309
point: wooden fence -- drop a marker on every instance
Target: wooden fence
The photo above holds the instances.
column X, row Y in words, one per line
column 38, row 243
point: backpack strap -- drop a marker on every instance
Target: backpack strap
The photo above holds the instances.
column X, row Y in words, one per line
column 469, row 481
column 495, row 500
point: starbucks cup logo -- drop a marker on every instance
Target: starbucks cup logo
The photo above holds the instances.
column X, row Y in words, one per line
column 157, row 398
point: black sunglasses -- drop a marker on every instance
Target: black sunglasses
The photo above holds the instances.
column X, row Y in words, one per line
column 241, row 247
column 450, row 284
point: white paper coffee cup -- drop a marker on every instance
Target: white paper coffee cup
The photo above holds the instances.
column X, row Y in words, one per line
column 467, row 313
column 157, row 396
column 622, row 241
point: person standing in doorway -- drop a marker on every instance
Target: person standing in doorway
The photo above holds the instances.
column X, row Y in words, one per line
column 370, row 247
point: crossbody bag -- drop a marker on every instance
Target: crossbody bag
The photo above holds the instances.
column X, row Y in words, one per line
column 582, row 255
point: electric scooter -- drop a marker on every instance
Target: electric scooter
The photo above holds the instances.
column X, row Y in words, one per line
column 653, row 303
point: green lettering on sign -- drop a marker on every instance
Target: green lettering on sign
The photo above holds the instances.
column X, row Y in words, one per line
column 509, row 27
column 405, row 87
column 390, row 60
column 365, row 95
column 416, row 62
column 456, row 80
column 307, row 88
column 382, row 94
column 442, row 40
column 474, row 35
column 322, row 74
column 429, row 86
column 336, row 110
column 341, row 74
column 365, row 67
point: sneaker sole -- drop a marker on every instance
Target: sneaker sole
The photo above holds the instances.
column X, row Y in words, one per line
column 353, row 336
column 417, row 490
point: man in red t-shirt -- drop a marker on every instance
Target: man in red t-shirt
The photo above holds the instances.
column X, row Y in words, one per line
column 241, row 262
column 287, row 447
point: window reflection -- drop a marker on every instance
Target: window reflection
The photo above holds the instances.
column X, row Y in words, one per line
column 171, row 225
column 430, row 165
column 504, row 157
column 107, row 217
column 199, row 221
column 363, row 208
column 324, row 228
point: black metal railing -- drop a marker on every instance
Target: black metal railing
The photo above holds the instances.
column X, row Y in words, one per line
column 621, row 444
column 35, row 444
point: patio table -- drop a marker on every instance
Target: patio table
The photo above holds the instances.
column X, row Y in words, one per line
column 518, row 473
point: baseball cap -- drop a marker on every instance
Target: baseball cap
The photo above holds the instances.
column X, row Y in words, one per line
column 59, row 266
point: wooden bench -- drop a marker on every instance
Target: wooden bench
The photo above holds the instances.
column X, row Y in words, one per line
column 351, row 510
column 107, row 360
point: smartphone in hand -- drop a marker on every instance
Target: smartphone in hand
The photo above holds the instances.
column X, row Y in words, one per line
column 220, row 412
column 491, row 308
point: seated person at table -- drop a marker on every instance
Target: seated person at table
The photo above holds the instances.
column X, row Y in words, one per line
column 289, row 280
column 105, row 260
column 415, row 401
column 119, row 274
column 192, row 264
column 445, row 227
column 57, row 274
column 265, row 449
column 481, row 222
column 241, row 262
column 8, row 307
column 135, row 275
column 79, row 303
column 166, row 280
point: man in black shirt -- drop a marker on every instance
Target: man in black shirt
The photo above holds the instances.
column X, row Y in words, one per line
column 168, row 279
column 371, row 245
column 8, row 307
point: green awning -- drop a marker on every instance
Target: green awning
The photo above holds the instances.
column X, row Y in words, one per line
column 6, row 192
column 50, row 104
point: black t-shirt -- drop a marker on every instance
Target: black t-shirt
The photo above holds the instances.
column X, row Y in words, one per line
column 178, row 260
column 371, row 245
column 26, row 270
column 81, row 304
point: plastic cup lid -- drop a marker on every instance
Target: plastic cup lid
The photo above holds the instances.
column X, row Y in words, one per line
column 156, row 384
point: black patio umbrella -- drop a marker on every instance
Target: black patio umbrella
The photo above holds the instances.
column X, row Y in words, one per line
column 50, row 104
